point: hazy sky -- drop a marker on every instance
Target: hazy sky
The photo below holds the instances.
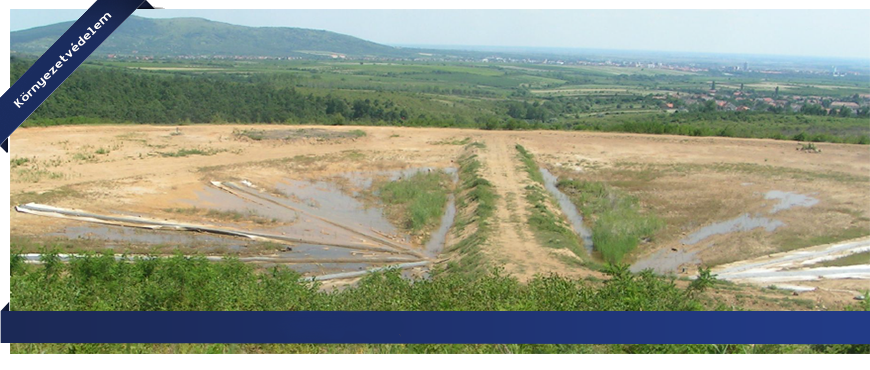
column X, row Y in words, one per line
column 821, row 33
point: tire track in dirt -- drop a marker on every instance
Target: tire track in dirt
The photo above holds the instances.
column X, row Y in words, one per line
column 513, row 243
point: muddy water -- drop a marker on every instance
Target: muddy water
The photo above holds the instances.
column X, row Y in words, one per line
column 326, row 268
column 789, row 200
column 303, row 227
column 364, row 180
column 568, row 209
column 319, row 251
column 439, row 237
column 666, row 261
column 325, row 199
column 216, row 199
column 316, row 210
column 148, row 237
column 744, row 222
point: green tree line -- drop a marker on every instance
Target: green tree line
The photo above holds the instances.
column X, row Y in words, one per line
column 113, row 95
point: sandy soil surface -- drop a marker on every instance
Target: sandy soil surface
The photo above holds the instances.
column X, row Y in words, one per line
column 691, row 183
column 513, row 243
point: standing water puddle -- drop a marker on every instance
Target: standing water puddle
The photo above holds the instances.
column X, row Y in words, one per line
column 150, row 237
column 744, row 222
column 568, row 209
column 318, row 226
column 789, row 200
column 364, row 180
column 439, row 237
column 666, row 260
column 329, row 212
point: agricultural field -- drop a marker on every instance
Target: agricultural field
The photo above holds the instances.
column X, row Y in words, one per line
column 491, row 96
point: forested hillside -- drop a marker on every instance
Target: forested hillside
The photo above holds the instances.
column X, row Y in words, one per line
column 113, row 95
column 196, row 36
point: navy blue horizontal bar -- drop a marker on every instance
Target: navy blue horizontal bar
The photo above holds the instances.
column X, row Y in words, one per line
column 435, row 327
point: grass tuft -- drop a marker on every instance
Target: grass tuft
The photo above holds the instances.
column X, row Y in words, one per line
column 418, row 201
column 618, row 222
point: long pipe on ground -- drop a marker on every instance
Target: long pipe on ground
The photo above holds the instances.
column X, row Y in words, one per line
column 49, row 211
column 36, row 258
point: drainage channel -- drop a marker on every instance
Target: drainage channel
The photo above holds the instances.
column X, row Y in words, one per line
column 568, row 209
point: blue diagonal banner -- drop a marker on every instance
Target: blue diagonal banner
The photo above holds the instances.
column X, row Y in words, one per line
column 62, row 59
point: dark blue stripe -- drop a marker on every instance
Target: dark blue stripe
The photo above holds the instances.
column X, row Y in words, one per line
column 13, row 115
column 436, row 327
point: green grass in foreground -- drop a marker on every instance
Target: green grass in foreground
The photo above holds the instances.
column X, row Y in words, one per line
column 99, row 282
column 619, row 223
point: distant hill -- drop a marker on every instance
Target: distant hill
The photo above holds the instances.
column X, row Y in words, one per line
column 197, row 36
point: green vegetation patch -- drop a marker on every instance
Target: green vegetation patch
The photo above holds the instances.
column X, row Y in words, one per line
column 294, row 134
column 798, row 240
column 549, row 227
column 862, row 258
column 184, row 152
column 529, row 165
column 35, row 174
column 618, row 221
column 46, row 197
column 418, row 201
column 464, row 141
column 99, row 282
column 18, row 161
column 475, row 206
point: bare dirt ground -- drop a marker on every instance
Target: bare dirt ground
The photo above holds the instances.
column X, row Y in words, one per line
column 695, row 184
column 513, row 243
column 691, row 183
